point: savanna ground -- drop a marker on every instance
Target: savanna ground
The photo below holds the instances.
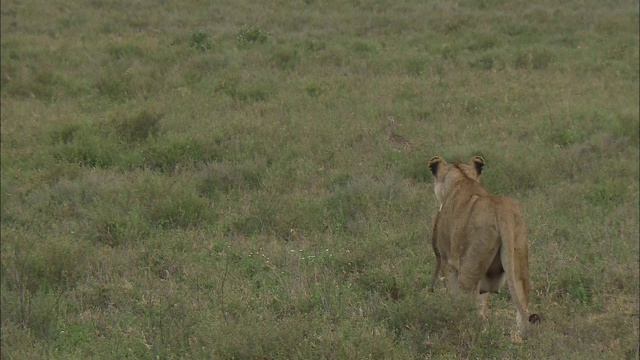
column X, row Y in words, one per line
column 192, row 179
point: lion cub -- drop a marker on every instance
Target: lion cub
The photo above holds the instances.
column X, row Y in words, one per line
column 481, row 238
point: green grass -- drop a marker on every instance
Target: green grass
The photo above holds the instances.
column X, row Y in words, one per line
column 186, row 180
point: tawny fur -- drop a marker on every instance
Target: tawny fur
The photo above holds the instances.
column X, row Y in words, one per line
column 434, row 245
column 481, row 239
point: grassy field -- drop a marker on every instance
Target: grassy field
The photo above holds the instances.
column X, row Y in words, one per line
column 193, row 179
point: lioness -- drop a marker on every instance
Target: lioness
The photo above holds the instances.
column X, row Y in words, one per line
column 481, row 238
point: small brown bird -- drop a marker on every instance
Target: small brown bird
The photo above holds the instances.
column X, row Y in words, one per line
column 398, row 141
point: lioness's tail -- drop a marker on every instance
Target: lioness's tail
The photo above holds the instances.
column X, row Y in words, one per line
column 511, row 228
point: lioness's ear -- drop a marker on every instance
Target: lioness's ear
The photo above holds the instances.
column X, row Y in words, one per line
column 434, row 163
column 478, row 163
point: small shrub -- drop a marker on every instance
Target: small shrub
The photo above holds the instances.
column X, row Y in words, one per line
column 313, row 89
column 61, row 263
column 40, row 318
column 304, row 216
column 253, row 94
column 123, row 50
column 64, row 133
column 110, row 233
column 423, row 114
column 345, row 205
column 200, row 41
column 39, row 80
column 482, row 4
column 386, row 285
column 225, row 177
column 121, row 224
column 540, row 59
column 166, row 152
column 563, row 137
column 577, row 286
column 484, row 62
column 473, row 106
column 481, row 42
column 338, row 182
column 449, row 52
column 228, row 87
column 114, row 85
column 512, row 29
column 499, row 177
column 533, row 59
column 456, row 24
column 139, row 126
column 417, row 170
column 251, row 224
column 521, row 60
column 251, row 34
column 285, row 58
column 246, row 92
column 87, row 148
column 626, row 126
column 416, row 66
column 55, row 265
column 607, row 194
column 313, row 45
column 178, row 209
column 433, row 324
column 364, row 47
column 258, row 219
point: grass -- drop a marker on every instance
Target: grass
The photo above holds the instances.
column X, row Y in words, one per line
column 214, row 181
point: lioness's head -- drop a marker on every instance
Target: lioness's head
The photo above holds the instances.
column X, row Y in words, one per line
column 440, row 169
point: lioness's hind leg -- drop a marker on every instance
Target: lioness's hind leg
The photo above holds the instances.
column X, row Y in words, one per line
column 436, row 273
column 451, row 277
column 436, row 252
